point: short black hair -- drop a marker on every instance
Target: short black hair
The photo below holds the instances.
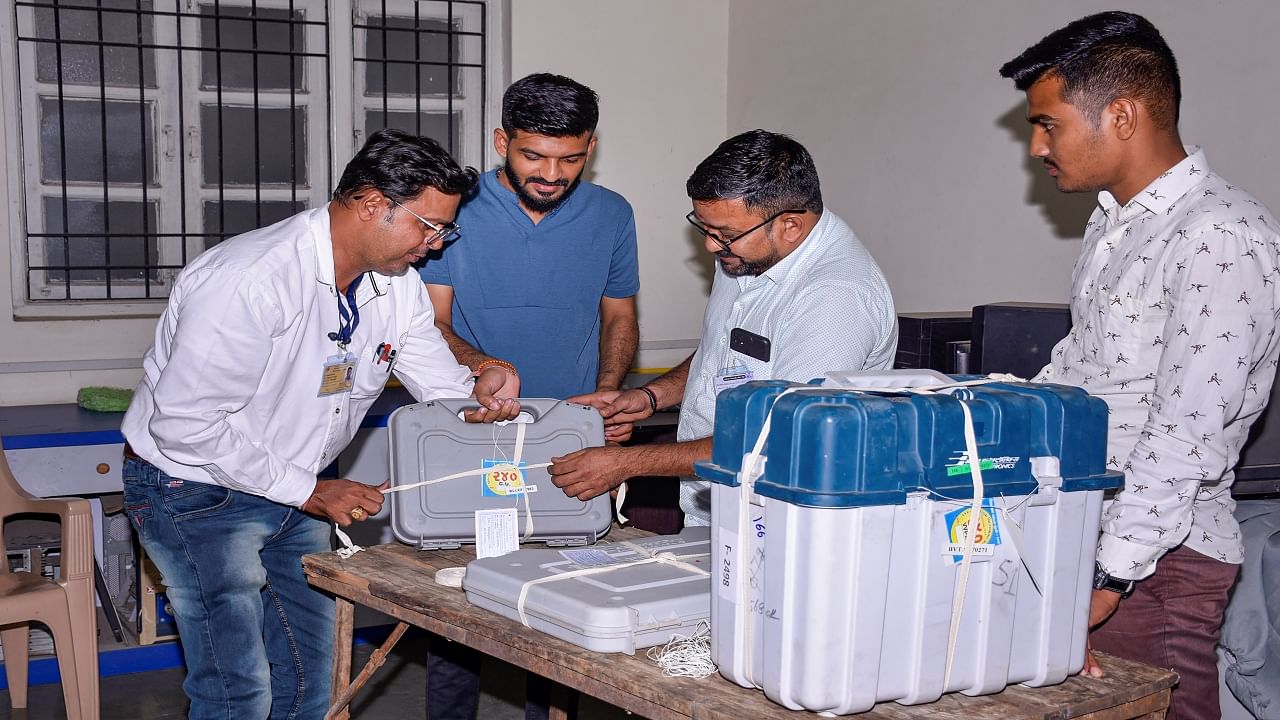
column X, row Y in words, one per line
column 550, row 105
column 771, row 172
column 1102, row 57
column 401, row 165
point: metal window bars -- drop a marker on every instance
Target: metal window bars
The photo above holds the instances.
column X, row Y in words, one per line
column 166, row 126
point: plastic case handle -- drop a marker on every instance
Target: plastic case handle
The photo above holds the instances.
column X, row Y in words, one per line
column 534, row 408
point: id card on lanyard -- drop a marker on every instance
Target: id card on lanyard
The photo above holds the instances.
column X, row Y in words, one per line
column 339, row 372
column 338, row 375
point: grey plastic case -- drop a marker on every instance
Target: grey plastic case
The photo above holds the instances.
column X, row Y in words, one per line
column 621, row 610
column 429, row 440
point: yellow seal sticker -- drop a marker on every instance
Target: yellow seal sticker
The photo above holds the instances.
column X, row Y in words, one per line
column 504, row 479
column 986, row 534
column 960, row 527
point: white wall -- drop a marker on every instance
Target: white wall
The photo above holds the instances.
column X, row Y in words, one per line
column 659, row 67
column 920, row 143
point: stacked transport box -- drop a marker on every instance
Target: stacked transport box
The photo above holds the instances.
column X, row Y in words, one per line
column 839, row 573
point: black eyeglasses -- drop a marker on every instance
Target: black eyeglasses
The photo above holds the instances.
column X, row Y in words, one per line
column 725, row 243
column 446, row 232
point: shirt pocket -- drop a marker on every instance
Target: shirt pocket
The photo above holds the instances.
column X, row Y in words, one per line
column 370, row 378
column 1139, row 323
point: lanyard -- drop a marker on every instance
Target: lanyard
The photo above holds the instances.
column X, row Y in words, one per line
column 349, row 319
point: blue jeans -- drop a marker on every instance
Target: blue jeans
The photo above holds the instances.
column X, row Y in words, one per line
column 257, row 639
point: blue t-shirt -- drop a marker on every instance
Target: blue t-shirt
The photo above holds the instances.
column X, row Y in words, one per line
column 530, row 294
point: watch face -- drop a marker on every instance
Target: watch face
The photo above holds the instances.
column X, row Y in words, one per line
column 1099, row 577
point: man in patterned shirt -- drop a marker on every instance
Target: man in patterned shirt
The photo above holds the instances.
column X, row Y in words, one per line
column 1173, row 306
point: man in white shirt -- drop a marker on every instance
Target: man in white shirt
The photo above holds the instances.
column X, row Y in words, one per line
column 795, row 295
column 1173, row 305
column 272, row 348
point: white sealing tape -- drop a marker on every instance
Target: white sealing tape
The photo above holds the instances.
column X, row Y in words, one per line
column 450, row 576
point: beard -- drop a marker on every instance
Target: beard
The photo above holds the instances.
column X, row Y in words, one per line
column 750, row 268
column 534, row 202
column 747, row 268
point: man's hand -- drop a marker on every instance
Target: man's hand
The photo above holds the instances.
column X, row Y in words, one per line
column 1102, row 606
column 619, row 408
column 335, row 500
column 496, row 390
column 590, row 472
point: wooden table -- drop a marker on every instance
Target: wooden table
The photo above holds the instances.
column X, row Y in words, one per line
column 399, row 580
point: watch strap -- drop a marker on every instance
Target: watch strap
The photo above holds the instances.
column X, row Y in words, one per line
column 1102, row 580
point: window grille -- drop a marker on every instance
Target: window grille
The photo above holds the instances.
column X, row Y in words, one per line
column 155, row 129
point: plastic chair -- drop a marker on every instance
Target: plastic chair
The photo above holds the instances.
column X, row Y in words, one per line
column 65, row 606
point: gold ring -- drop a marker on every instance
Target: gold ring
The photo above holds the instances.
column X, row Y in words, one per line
column 357, row 513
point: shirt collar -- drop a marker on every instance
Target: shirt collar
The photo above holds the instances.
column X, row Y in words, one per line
column 1163, row 192
column 801, row 255
column 322, row 238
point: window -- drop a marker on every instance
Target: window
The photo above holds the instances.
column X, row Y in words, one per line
column 151, row 130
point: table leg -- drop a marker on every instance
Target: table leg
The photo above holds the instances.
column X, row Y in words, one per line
column 338, row 707
column 343, row 620
column 559, row 706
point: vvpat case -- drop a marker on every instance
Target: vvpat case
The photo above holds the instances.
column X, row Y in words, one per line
column 634, row 606
column 430, row 440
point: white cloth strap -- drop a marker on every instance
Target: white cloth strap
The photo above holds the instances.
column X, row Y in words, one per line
column 517, row 454
column 617, row 503
column 966, row 557
column 349, row 548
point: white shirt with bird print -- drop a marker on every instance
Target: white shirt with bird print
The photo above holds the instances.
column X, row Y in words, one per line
column 1173, row 305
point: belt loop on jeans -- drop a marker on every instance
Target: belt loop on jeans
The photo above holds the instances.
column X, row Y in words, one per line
column 129, row 454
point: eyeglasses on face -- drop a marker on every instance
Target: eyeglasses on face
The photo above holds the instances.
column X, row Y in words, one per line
column 430, row 230
column 724, row 243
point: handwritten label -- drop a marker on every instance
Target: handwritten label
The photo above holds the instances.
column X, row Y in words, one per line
column 497, row 532
column 727, row 547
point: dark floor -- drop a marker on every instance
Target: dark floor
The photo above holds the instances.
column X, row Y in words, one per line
column 397, row 690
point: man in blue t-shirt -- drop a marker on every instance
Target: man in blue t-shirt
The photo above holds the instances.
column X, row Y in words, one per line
column 543, row 277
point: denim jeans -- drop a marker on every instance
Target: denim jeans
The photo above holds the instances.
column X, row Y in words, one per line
column 258, row 641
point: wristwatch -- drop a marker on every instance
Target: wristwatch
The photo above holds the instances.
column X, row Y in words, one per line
column 1104, row 581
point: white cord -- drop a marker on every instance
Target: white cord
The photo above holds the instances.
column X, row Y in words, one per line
column 348, row 548
column 686, row 656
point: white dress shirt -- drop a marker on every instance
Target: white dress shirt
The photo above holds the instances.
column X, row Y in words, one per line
column 826, row 306
column 1173, row 309
column 230, row 392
